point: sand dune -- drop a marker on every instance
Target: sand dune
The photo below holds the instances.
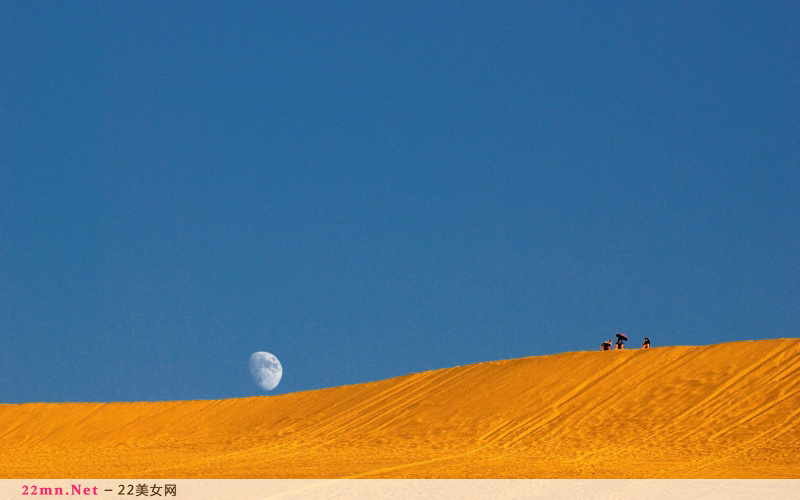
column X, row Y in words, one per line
column 719, row 411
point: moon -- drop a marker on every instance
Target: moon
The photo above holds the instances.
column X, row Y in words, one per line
column 266, row 370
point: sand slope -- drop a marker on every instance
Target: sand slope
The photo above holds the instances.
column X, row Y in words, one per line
column 719, row 411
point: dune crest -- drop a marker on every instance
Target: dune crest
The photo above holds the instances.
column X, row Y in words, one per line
column 728, row 410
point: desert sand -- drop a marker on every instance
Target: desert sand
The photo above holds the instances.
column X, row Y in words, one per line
column 729, row 410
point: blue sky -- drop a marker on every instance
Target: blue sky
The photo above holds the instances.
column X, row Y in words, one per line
column 368, row 190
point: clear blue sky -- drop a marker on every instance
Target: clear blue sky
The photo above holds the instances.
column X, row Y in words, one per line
column 368, row 190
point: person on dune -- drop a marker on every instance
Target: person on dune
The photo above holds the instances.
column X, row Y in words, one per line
column 646, row 343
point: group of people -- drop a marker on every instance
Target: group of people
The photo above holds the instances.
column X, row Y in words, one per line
column 620, row 343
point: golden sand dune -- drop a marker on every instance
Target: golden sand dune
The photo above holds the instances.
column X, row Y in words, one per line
column 718, row 411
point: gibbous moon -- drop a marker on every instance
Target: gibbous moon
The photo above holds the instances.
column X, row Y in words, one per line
column 266, row 370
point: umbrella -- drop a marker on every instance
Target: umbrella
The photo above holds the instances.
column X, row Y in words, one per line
column 622, row 336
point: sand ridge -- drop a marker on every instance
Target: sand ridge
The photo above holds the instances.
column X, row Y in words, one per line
column 727, row 410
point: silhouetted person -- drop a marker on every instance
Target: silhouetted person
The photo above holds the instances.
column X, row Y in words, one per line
column 646, row 343
column 620, row 344
column 606, row 345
